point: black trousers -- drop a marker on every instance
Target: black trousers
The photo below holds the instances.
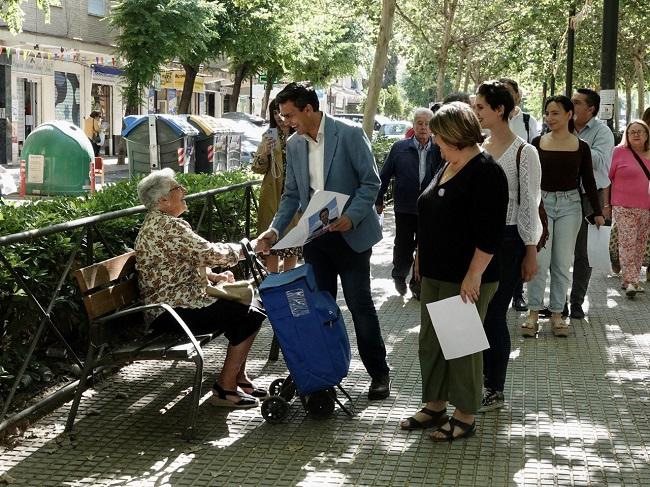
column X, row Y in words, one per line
column 406, row 237
column 495, row 358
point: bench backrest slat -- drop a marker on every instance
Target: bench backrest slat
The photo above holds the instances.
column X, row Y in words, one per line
column 109, row 285
column 112, row 298
column 104, row 272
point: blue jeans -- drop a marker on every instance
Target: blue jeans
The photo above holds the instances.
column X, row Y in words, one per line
column 564, row 211
column 495, row 358
column 332, row 257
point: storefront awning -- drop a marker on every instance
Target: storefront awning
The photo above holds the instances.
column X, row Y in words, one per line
column 108, row 70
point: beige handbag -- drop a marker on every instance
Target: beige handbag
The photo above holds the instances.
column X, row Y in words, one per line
column 240, row 291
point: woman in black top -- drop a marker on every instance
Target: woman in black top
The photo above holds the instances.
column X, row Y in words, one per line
column 566, row 162
column 462, row 216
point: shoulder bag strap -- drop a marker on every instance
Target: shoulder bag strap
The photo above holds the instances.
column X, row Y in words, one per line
column 638, row 159
column 521, row 147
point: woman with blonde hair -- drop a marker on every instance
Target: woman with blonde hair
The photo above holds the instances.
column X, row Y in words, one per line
column 461, row 218
column 630, row 198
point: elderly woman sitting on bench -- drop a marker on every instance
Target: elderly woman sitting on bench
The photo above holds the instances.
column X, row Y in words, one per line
column 170, row 257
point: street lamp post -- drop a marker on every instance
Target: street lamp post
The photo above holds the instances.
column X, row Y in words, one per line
column 608, row 61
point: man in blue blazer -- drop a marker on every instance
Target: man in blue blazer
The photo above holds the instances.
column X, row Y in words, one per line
column 329, row 154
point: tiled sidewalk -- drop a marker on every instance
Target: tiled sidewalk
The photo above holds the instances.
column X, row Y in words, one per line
column 577, row 413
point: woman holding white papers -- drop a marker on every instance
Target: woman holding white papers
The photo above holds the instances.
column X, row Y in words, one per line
column 462, row 215
column 518, row 250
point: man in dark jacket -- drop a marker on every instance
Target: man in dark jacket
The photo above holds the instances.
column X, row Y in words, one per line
column 412, row 162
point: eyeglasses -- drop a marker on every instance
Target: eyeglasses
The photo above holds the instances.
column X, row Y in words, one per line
column 178, row 186
column 637, row 132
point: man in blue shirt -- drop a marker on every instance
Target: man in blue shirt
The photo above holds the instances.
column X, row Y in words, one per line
column 601, row 141
column 412, row 162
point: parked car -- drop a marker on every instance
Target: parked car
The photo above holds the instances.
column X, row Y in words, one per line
column 395, row 129
column 358, row 118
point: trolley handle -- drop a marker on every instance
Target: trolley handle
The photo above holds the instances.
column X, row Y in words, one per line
column 254, row 265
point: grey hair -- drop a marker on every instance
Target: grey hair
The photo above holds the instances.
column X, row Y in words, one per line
column 422, row 111
column 155, row 186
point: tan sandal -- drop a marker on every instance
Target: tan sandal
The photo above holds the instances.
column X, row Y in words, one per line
column 530, row 327
column 560, row 328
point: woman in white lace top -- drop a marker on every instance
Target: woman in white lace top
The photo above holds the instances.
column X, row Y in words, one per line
column 518, row 253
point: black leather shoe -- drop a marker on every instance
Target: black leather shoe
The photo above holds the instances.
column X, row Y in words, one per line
column 545, row 313
column 400, row 286
column 519, row 304
column 577, row 313
column 379, row 388
column 565, row 311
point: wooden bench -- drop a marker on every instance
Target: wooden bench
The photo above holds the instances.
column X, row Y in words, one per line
column 111, row 296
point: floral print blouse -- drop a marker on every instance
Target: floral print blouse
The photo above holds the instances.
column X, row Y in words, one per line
column 169, row 256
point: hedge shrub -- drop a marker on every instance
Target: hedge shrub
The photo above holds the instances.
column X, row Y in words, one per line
column 41, row 262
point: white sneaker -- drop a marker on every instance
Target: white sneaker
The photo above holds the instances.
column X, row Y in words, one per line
column 630, row 291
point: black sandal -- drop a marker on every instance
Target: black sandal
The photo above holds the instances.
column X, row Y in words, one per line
column 437, row 417
column 252, row 390
column 219, row 398
column 467, row 430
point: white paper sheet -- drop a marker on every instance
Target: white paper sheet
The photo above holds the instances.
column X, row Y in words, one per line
column 598, row 248
column 458, row 327
column 310, row 226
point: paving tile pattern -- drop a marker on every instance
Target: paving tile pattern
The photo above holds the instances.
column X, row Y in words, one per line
column 577, row 413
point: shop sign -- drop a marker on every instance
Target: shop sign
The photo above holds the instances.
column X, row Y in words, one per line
column 174, row 80
column 32, row 65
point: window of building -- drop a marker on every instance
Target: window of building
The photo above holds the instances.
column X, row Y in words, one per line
column 97, row 7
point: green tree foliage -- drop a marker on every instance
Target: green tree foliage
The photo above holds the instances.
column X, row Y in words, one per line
column 152, row 33
column 12, row 13
column 393, row 105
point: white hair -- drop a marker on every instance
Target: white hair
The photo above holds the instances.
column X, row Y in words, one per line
column 155, row 186
column 422, row 111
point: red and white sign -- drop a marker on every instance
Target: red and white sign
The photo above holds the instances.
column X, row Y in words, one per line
column 181, row 156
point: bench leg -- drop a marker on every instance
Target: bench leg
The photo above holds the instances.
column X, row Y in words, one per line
column 196, row 396
column 274, row 353
column 88, row 369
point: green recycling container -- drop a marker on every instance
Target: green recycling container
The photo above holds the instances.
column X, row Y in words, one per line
column 57, row 157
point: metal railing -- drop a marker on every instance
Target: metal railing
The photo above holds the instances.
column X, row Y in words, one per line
column 87, row 232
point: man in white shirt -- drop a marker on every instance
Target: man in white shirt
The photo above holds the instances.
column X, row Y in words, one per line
column 332, row 155
column 601, row 142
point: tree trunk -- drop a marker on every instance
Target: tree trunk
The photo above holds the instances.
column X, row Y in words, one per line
column 379, row 64
column 460, row 68
column 267, row 94
column 639, row 55
column 449, row 12
column 240, row 74
column 188, row 88
column 468, row 73
column 628, row 99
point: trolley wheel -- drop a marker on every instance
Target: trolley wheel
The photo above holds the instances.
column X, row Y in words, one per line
column 321, row 404
column 276, row 387
column 274, row 409
column 284, row 388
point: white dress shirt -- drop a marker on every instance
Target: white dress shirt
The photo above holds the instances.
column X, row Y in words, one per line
column 518, row 126
column 317, row 158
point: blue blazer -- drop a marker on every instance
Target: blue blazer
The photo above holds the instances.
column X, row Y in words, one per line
column 349, row 168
